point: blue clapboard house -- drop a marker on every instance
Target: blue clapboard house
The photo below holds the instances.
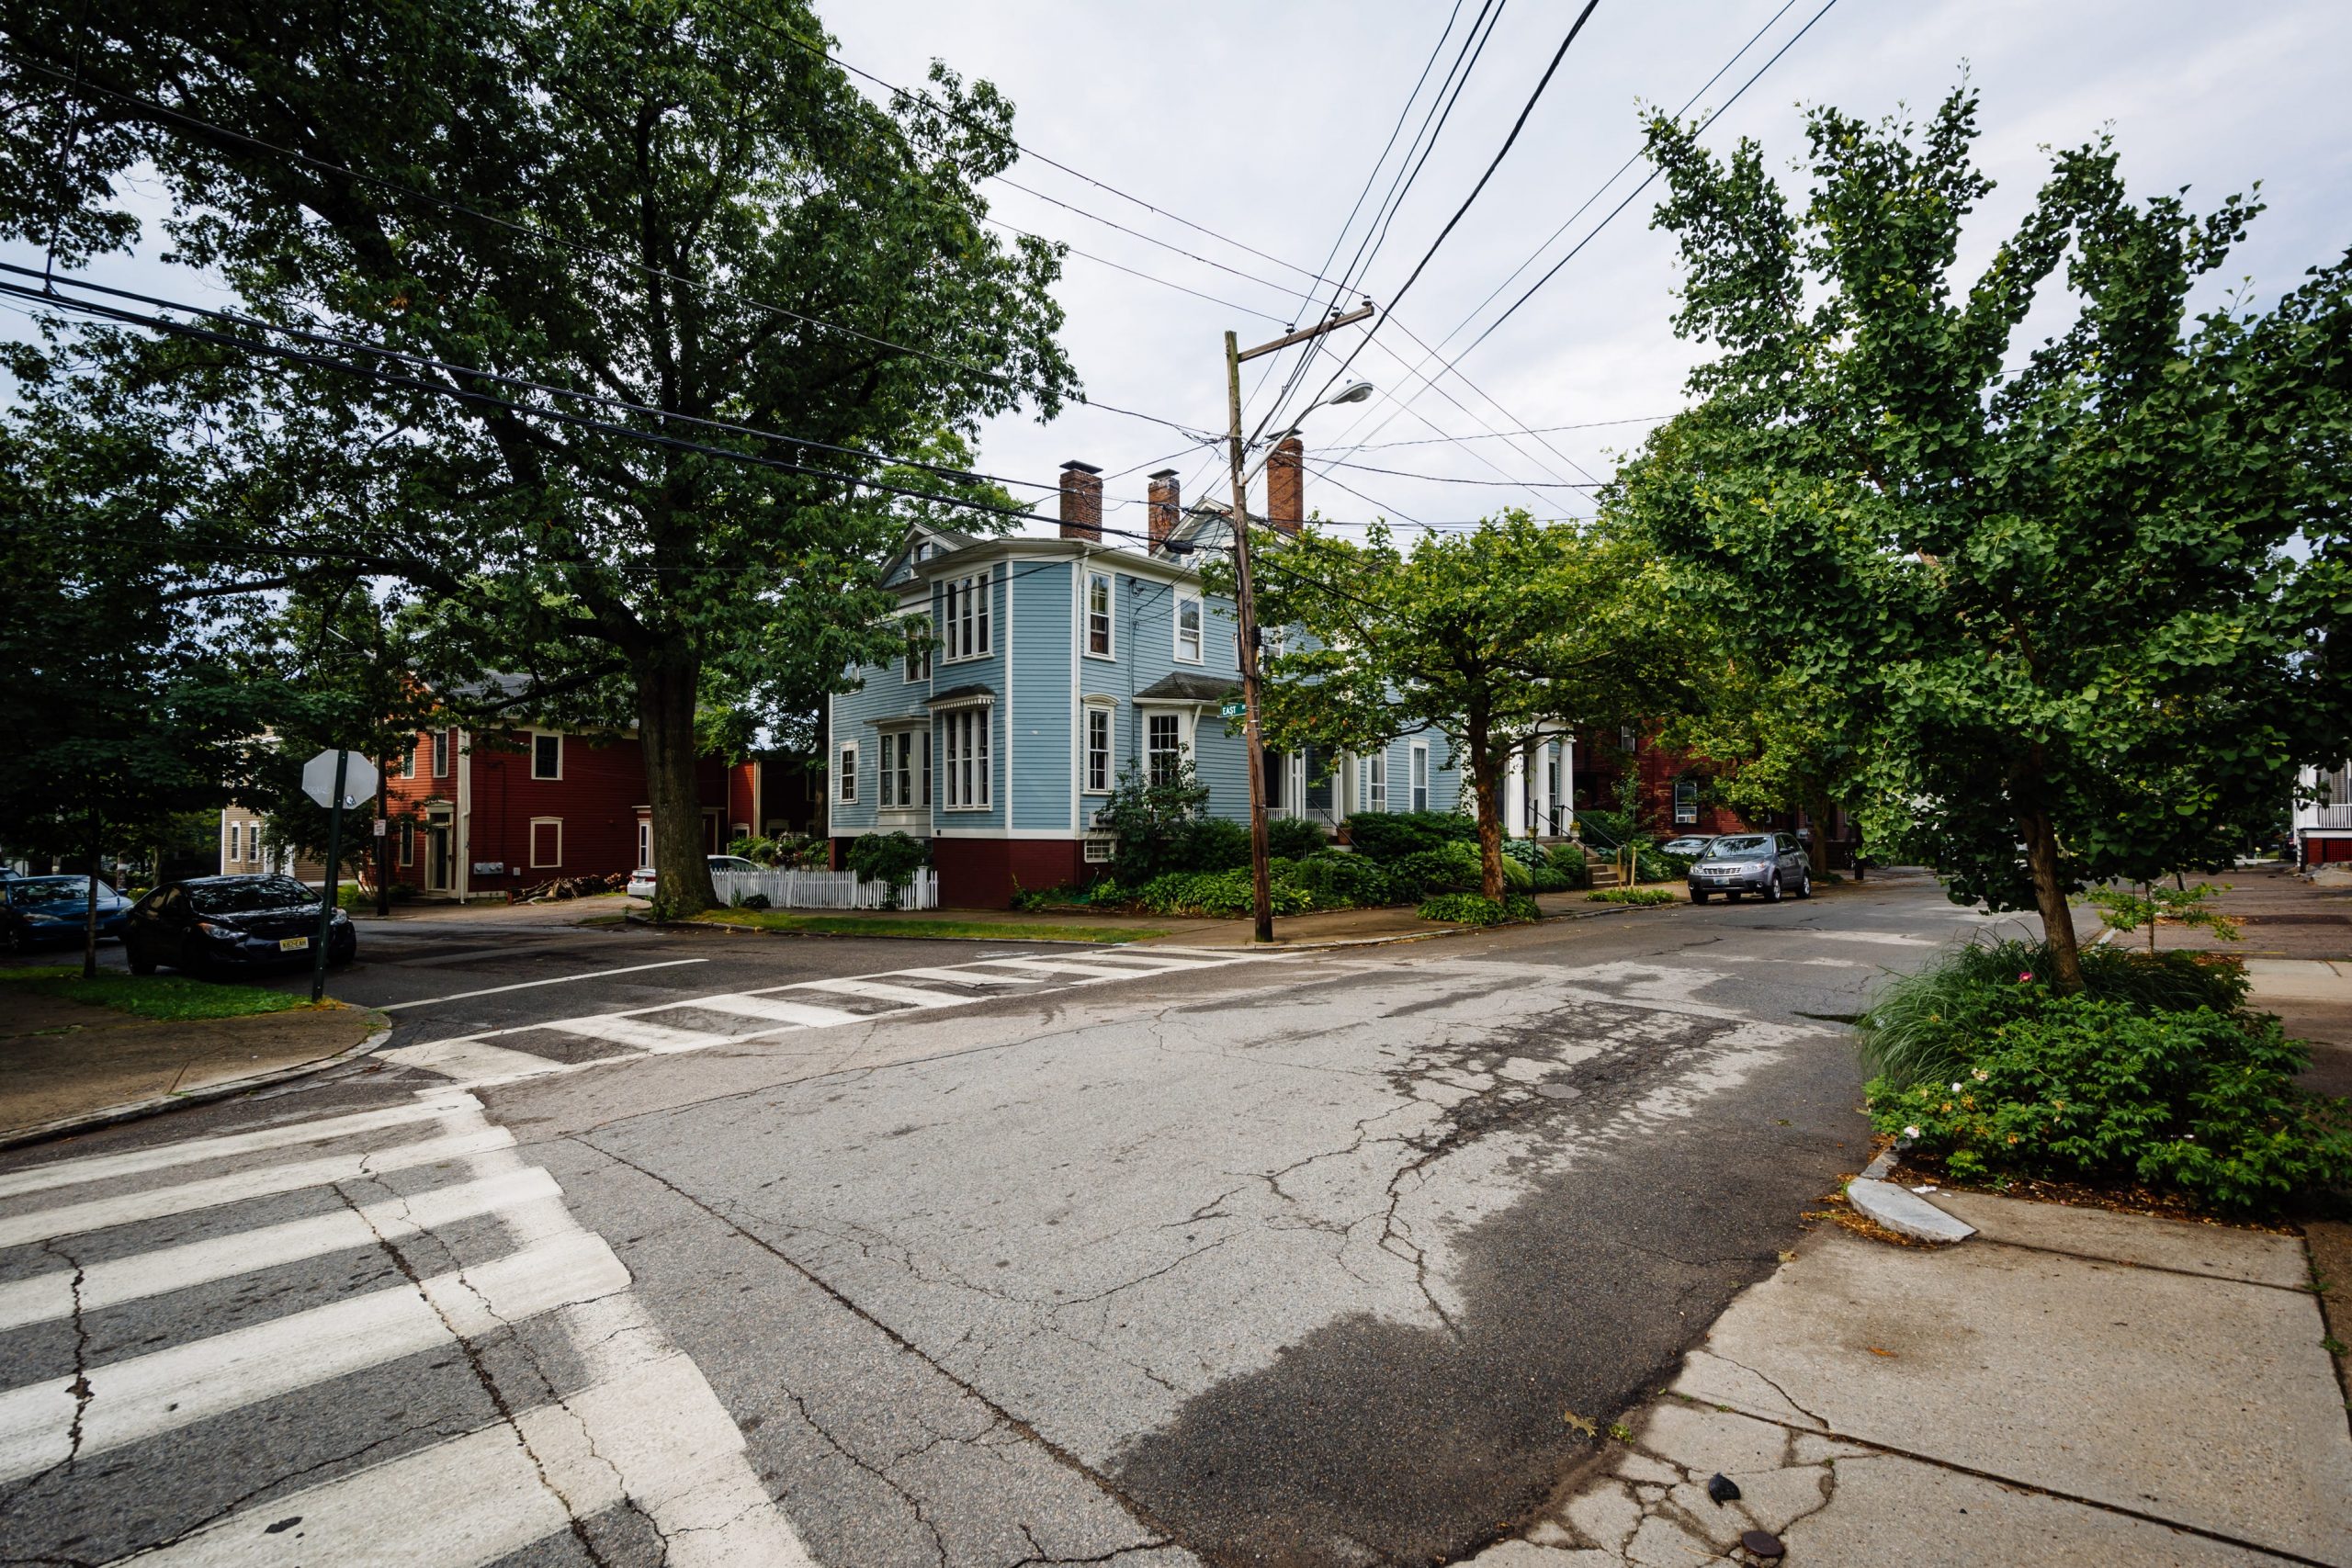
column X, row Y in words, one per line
column 1058, row 662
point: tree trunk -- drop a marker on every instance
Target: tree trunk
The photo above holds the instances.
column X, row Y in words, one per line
column 1486, row 779
column 2057, row 915
column 669, row 680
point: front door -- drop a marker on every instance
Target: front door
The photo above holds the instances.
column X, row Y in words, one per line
column 437, row 866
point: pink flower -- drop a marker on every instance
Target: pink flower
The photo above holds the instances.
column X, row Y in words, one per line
column 2024, row 976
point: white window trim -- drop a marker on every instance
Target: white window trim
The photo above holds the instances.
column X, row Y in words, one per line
column 532, row 842
column 976, row 591
column 1186, row 730
column 975, row 722
column 1418, row 789
column 445, row 752
column 916, row 739
column 1199, row 654
column 845, row 773
column 1110, row 615
column 645, row 842
column 1110, row 712
column 233, row 857
column 557, row 736
column 1373, row 780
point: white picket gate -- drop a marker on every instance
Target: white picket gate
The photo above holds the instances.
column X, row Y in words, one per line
column 825, row 890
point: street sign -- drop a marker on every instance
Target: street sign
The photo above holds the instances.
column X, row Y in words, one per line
column 378, row 826
column 358, row 779
column 1233, row 708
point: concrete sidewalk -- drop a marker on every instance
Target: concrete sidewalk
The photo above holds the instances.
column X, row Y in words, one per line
column 2070, row 1386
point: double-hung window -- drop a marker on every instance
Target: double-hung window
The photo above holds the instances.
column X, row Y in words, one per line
column 845, row 778
column 918, row 648
column 1188, row 628
column 906, row 769
column 233, row 857
column 547, row 756
column 1419, row 779
column 1100, row 615
column 965, row 759
column 1375, row 782
column 1164, row 747
column 1097, row 751
column 441, row 739
column 1686, row 802
column 964, row 620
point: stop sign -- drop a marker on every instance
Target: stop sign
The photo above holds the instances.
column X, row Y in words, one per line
column 359, row 778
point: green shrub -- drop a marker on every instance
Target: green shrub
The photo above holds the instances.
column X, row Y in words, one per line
column 752, row 901
column 1152, row 821
column 1517, row 877
column 1569, row 861
column 1548, row 880
column 1520, row 907
column 1294, row 838
column 1221, row 893
column 1526, row 851
column 1463, row 910
column 1338, row 881
column 1639, row 896
column 2092, row 1088
column 1426, row 873
column 1209, row 844
column 889, row 858
column 1610, row 826
column 1922, row 1028
column 1391, row 836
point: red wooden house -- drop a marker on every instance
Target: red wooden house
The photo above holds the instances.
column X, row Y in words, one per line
column 483, row 813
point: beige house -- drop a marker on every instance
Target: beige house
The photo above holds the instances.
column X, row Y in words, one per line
column 243, row 853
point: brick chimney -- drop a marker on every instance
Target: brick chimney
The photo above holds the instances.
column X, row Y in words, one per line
column 1081, row 502
column 1165, row 503
column 1286, row 485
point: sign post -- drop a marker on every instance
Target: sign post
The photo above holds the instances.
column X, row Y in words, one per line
column 326, row 777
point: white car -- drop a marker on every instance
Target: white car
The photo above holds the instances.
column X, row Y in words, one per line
column 640, row 881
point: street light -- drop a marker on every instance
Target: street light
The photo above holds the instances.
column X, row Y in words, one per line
column 1244, row 603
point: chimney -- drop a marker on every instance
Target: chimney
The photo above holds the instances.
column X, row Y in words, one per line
column 1081, row 502
column 1286, row 485
column 1164, row 506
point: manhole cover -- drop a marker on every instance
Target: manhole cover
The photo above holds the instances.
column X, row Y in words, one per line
column 1558, row 1091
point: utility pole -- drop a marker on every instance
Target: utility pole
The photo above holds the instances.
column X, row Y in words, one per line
column 1245, row 609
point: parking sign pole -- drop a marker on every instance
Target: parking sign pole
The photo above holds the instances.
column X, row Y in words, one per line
column 326, row 893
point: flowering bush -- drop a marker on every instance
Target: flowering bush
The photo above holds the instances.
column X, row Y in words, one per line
column 2085, row 1088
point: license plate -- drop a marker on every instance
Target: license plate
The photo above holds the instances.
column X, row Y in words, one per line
column 293, row 943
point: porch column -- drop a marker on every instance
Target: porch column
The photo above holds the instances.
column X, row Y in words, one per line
column 1515, row 795
column 1539, row 784
column 1568, row 781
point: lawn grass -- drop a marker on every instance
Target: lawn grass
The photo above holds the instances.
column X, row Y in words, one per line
column 170, row 997
column 892, row 925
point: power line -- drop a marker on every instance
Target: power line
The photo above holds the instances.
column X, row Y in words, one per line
column 1540, row 430
column 561, row 240
column 1509, row 141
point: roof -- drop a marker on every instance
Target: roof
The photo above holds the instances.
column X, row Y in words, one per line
column 1181, row 687
column 964, row 694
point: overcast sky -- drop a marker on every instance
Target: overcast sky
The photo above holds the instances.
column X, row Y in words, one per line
column 1263, row 122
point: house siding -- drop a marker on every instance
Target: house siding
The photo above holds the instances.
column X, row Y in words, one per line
column 1038, row 790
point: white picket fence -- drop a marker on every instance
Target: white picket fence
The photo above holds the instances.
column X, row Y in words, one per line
column 825, row 890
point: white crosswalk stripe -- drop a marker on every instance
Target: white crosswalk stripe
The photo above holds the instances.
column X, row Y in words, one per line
column 476, row 1061
column 638, row 1424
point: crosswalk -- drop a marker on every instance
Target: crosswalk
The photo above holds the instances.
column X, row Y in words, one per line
column 120, row 1276
column 696, row 1023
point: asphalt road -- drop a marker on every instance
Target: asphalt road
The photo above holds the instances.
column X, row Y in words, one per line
column 637, row 1247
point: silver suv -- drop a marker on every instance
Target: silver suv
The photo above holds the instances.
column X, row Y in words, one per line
column 1762, row 863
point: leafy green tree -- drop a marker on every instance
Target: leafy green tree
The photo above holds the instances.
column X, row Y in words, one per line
column 119, row 719
column 1772, row 742
column 1481, row 635
column 2055, row 593
column 681, row 210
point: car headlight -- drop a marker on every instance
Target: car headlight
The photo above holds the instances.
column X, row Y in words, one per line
column 49, row 919
column 342, row 919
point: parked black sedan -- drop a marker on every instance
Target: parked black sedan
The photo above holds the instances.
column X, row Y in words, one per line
column 209, row 925
column 42, row 911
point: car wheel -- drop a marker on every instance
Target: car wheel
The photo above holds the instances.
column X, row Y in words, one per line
column 1804, row 882
column 1730, row 898
column 20, row 940
column 1696, row 896
column 1772, row 889
column 140, row 963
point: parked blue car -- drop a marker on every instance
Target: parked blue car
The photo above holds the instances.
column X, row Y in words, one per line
column 49, row 912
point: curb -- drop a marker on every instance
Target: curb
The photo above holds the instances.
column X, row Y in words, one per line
column 1899, row 1209
column 139, row 1109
